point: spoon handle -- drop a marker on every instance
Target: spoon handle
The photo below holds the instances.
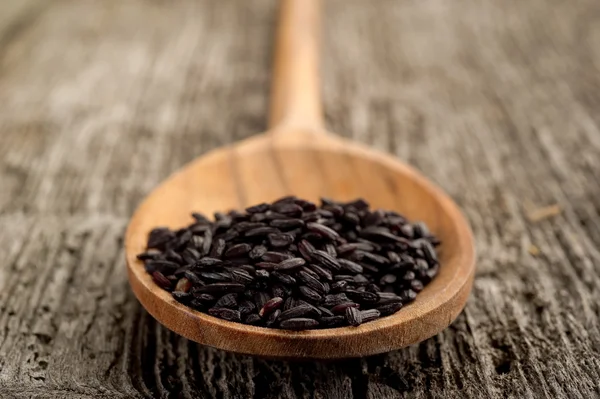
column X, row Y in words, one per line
column 295, row 95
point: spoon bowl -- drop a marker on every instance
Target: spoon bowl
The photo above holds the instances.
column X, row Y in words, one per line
column 266, row 167
column 298, row 157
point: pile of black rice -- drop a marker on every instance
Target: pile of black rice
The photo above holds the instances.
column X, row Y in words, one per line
column 295, row 265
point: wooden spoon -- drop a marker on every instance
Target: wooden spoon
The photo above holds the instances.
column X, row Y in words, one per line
column 297, row 156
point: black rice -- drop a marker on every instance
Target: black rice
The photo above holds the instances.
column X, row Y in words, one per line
column 294, row 265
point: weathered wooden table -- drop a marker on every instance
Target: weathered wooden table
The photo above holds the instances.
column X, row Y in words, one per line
column 497, row 101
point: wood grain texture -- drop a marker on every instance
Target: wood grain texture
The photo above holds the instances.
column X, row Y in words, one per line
column 496, row 101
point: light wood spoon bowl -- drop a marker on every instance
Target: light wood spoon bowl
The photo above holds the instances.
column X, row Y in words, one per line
column 297, row 156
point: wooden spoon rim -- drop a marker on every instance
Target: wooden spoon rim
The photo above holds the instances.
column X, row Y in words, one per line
column 457, row 288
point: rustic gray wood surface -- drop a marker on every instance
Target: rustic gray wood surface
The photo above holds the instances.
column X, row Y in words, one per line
column 497, row 101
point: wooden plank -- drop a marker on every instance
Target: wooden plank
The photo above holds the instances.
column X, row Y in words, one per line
column 496, row 101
